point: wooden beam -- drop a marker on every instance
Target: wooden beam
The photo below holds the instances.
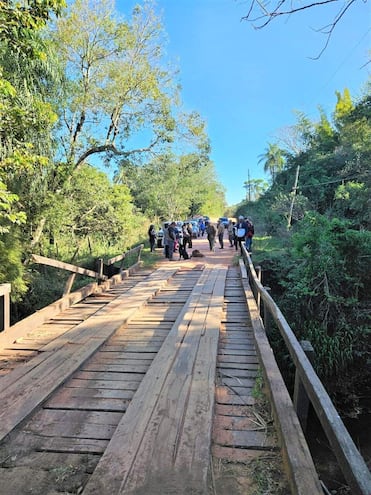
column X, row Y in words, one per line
column 20, row 328
column 121, row 257
column 5, row 306
column 302, row 474
column 66, row 266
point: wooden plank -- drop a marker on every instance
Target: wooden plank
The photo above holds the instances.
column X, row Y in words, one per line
column 238, row 382
column 64, row 416
column 232, row 454
column 67, row 393
column 239, row 367
column 194, row 443
column 237, row 423
column 73, row 445
column 72, row 429
column 302, row 474
column 86, row 404
column 236, row 411
column 98, row 375
column 159, row 391
column 19, row 398
column 245, row 439
column 237, row 359
column 121, row 368
column 238, row 373
column 103, row 384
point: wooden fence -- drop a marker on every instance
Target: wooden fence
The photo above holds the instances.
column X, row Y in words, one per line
column 102, row 282
column 309, row 388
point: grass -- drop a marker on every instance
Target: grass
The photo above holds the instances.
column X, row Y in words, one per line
column 267, row 247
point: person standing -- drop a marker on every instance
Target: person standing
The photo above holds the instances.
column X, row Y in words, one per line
column 186, row 237
column 171, row 231
column 249, row 234
column 211, row 234
column 152, row 237
column 220, row 230
column 201, row 225
column 166, row 239
column 241, row 232
column 230, row 230
column 190, row 232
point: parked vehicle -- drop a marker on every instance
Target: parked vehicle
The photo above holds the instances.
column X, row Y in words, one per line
column 160, row 238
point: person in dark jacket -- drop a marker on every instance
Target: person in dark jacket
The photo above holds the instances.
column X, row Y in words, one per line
column 241, row 232
column 211, row 234
column 152, row 237
column 171, row 239
column 249, row 234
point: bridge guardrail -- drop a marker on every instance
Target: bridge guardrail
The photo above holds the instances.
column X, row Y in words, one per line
column 11, row 333
column 351, row 462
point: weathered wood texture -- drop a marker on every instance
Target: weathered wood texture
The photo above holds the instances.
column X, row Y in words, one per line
column 66, row 266
column 35, row 382
column 301, row 471
column 238, row 434
column 164, row 436
column 19, row 329
column 73, row 427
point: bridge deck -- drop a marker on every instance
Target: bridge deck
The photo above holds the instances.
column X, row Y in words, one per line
column 136, row 390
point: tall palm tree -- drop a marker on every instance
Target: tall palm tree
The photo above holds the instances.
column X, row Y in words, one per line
column 274, row 160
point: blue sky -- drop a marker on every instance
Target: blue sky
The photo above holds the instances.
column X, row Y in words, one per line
column 247, row 83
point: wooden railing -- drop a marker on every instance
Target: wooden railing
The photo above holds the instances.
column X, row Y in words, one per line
column 308, row 387
column 102, row 282
column 108, row 265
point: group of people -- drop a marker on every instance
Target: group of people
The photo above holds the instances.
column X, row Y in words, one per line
column 239, row 232
column 174, row 239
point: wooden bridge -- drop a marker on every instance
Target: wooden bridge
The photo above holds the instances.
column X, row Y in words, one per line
column 139, row 384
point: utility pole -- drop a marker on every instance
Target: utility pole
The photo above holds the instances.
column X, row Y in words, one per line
column 248, row 185
column 294, row 189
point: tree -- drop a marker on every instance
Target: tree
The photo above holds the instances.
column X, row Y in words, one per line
column 171, row 187
column 19, row 21
column 260, row 14
column 118, row 90
column 273, row 160
column 254, row 188
column 326, row 284
column 26, row 119
column 90, row 206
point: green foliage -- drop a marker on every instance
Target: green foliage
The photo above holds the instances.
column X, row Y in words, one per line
column 326, row 284
column 273, row 159
column 173, row 187
column 11, row 270
column 89, row 206
column 119, row 89
column 318, row 271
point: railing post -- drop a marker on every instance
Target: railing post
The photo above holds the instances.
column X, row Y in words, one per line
column 301, row 399
column 266, row 316
column 4, row 306
column 100, row 268
column 69, row 283
column 258, row 270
